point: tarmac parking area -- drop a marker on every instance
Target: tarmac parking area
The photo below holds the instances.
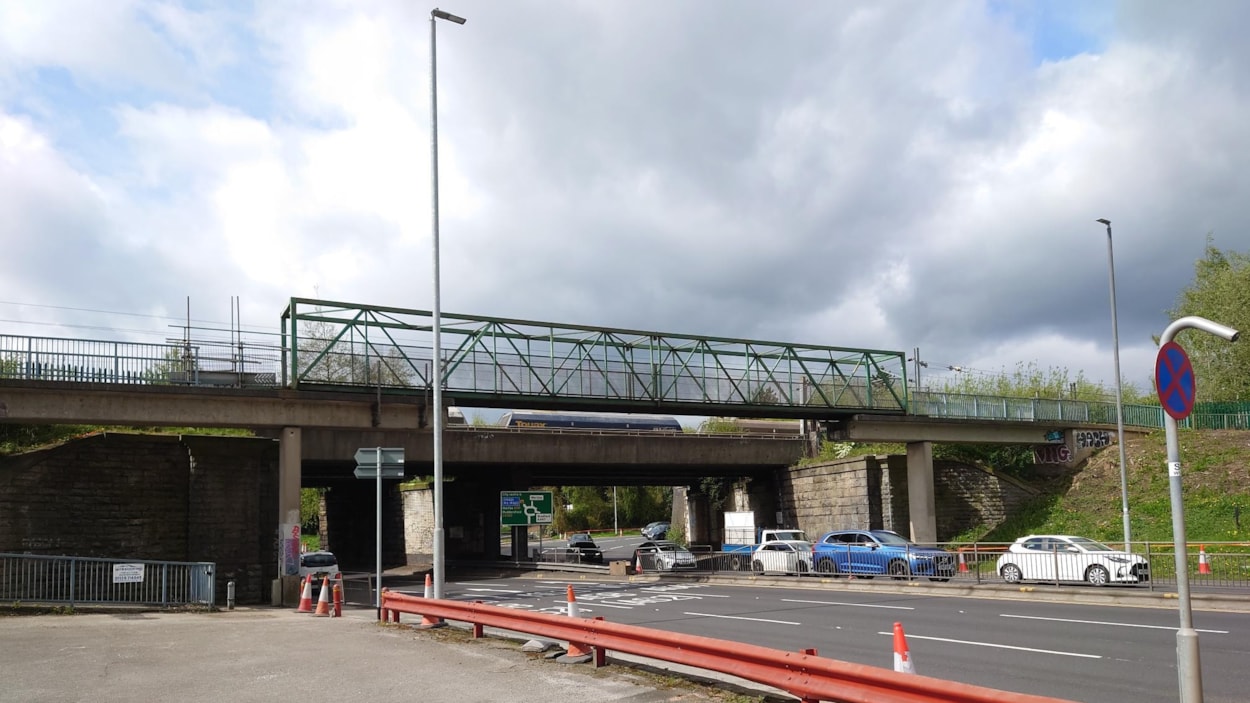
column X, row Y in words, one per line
column 267, row 654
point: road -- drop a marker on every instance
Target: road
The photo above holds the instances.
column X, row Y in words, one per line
column 1090, row 653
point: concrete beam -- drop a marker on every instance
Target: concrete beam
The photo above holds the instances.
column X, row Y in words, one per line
column 921, row 508
column 173, row 406
column 864, row 428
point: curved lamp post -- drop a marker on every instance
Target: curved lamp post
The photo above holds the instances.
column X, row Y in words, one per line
column 439, row 560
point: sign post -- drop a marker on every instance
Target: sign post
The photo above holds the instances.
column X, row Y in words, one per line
column 1174, row 377
column 378, row 463
column 520, row 509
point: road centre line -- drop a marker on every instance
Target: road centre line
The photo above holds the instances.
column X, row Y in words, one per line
column 1101, row 622
column 855, row 605
column 999, row 646
column 739, row 617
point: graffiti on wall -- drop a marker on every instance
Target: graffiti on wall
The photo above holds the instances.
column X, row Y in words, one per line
column 1092, row 439
column 1052, row 454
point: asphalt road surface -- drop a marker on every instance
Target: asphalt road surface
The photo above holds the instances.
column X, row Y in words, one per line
column 1091, row 653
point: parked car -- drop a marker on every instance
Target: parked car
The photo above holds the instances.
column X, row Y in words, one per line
column 581, row 548
column 319, row 565
column 656, row 530
column 866, row 553
column 785, row 556
column 663, row 555
column 1070, row 558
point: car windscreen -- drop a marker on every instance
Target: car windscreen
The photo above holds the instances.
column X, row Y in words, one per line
column 890, row 538
column 1090, row 545
column 316, row 560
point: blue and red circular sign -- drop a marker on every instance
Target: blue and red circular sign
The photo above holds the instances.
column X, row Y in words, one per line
column 1174, row 378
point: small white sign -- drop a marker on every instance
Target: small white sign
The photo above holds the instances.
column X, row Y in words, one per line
column 1174, row 468
column 128, row 573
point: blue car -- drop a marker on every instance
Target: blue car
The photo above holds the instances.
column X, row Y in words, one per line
column 866, row 553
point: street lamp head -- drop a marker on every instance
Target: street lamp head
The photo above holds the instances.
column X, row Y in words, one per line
column 1104, row 221
column 446, row 16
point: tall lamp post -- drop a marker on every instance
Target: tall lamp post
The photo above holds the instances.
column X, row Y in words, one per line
column 439, row 561
column 1119, row 395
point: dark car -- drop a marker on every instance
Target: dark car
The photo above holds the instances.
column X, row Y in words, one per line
column 656, row 530
column 866, row 553
column 582, row 549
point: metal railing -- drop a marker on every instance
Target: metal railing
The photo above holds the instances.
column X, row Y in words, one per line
column 74, row 581
column 553, row 362
column 1213, row 566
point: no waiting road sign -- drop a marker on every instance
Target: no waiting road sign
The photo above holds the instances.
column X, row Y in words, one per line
column 1174, row 377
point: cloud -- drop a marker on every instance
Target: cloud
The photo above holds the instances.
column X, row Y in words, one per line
column 884, row 176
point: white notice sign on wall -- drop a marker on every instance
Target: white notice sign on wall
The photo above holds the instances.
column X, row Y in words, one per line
column 128, row 573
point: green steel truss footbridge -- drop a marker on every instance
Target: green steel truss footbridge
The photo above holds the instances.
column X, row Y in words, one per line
column 507, row 363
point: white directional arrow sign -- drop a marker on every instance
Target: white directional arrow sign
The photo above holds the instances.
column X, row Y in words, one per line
column 392, row 464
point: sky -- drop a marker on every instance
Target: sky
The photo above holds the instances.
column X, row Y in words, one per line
column 887, row 175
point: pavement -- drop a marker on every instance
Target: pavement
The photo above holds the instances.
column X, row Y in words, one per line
column 268, row 654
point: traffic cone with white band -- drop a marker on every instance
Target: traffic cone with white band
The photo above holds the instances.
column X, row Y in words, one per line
column 429, row 621
column 1203, row 566
column 576, row 649
column 902, row 657
column 305, row 599
column 323, row 601
column 963, row 568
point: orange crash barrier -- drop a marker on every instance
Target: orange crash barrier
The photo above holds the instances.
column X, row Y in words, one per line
column 803, row 674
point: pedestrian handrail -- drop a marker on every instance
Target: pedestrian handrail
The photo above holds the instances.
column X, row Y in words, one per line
column 804, row 674
column 74, row 581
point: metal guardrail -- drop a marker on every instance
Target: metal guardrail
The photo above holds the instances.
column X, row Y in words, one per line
column 803, row 674
column 74, row 581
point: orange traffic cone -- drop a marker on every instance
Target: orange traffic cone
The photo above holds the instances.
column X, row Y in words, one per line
column 576, row 649
column 305, row 599
column 323, row 601
column 638, row 564
column 1203, row 566
column 902, row 657
column 429, row 621
column 963, row 568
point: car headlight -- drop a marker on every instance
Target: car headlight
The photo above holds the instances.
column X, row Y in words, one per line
column 1118, row 560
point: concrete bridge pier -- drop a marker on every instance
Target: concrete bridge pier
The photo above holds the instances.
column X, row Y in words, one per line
column 920, row 495
column 285, row 588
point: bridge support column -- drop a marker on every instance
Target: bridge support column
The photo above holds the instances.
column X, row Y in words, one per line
column 285, row 589
column 920, row 503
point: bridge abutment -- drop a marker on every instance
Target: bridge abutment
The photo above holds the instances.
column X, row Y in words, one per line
column 285, row 588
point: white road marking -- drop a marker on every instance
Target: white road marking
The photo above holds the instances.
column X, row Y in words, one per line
column 493, row 590
column 1101, row 622
column 739, row 617
column 999, row 646
column 597, row 604
column 691, row 595
column 856, row 605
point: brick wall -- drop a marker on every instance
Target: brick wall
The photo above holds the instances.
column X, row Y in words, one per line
column 159, row 497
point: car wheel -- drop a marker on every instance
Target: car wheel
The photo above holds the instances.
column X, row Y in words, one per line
column 1097, row 575
column 826, row 566
column 757, row 567
column 735, row 563
column 938, row 579
column 1011, row 573
column 803, row 567
column 897, row 569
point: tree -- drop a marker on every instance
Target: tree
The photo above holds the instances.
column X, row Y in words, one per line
column 1219, row 292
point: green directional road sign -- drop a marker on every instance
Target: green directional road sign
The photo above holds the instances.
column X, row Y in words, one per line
column 392, row 462
column 525, row 508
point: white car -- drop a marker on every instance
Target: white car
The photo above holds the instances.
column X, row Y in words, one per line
column 789, row 556
column 1070, row 558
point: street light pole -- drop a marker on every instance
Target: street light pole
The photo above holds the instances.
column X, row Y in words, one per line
column 439, row 559
column 1119, row 394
